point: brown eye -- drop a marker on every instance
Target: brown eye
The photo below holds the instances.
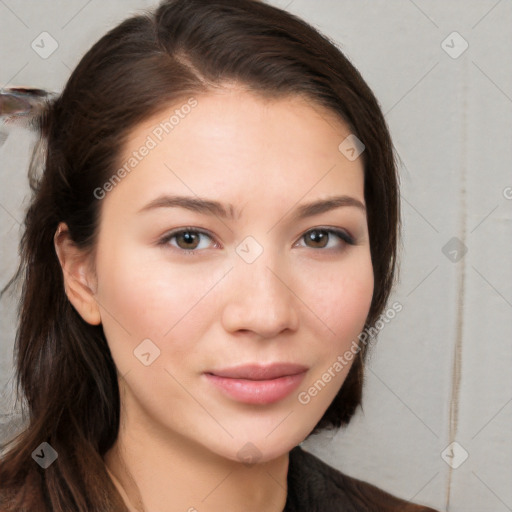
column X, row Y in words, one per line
column 187, row 240
column 323, row 238
column 318, row 238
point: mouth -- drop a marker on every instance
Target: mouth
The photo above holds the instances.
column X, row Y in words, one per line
column 258, row 384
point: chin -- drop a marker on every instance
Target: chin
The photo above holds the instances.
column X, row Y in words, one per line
column 261, row 447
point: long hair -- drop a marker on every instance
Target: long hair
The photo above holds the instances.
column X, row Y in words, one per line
column 64, row 369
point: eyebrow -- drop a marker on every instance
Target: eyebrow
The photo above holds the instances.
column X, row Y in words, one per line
column 210, row 207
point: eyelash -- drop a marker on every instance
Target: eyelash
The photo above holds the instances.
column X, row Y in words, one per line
column 164, row 241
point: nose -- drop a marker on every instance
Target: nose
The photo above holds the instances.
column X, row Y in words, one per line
column 260, row 298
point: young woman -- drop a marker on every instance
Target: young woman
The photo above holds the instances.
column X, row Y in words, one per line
column 213, row 228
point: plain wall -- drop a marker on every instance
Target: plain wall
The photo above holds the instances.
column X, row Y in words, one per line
column 441, row 369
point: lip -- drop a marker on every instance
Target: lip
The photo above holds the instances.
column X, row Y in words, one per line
column 256, row 383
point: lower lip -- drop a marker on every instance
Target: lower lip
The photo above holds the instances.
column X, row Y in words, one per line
column 257, row 391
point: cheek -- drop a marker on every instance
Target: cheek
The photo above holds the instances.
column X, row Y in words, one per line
column 340, row 297
column 149, row 298
column 342, row 302
column 351, row 304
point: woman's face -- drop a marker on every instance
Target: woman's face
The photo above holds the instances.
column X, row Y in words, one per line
column 232, row 274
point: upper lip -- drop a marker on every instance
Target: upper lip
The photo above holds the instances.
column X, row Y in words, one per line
column 260, row 371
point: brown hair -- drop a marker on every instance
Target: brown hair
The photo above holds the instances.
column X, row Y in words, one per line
column 64, row 367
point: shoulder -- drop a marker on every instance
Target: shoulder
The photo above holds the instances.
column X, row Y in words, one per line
column 314, row 483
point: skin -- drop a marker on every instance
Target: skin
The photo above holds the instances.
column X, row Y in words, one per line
column 299, row 301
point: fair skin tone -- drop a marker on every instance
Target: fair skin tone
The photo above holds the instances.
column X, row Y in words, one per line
column 302, row 300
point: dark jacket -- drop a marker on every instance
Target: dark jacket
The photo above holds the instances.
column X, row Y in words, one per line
column 314, row 486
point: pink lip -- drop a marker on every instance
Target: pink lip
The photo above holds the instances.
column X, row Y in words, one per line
column 258, row 384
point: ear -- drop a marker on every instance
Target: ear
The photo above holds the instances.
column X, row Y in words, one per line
column 79, row 281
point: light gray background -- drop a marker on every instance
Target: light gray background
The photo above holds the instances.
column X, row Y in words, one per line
column 441, row 371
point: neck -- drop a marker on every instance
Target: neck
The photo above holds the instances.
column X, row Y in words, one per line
column 156, row 473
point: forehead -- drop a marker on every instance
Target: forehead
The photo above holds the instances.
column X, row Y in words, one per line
column 234, row 143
